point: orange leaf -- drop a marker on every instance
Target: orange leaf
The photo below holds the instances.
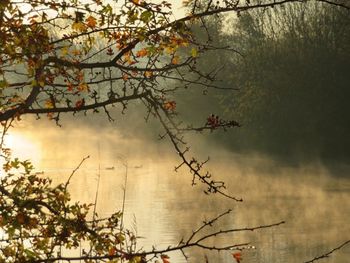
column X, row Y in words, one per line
column 70, row 86
column 112, row 251
column 141, row 53
column 170, row 105
column 175, row 60
column 165, row 258
column 125, row 76
column 76, row 52
column 91, row 22
column 237, row 256
column 50, row 115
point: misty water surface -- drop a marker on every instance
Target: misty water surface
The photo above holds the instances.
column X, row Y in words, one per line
column 163, row 207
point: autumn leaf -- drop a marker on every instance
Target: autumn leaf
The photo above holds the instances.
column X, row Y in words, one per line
column 170, row 105
column 7, row 167
column 49, row 104
column 80, row 103
column 125, row 76
column 41, row 83
column 20, row 218
column 237, row 256
column 33, row 222
column 2, row 221
column 194, row 52
column 175, row 60
column 185, row 43
column 146, row 16
column 110, row 52
column 165, row 258
column 70, row 86
column 112, row 251
column 128, row 59
column 50, row 78
column 64, row 51
column 79, row 26
column 170, row 50
column 213, row 121
column 186, row 3
column 3, row 84
column 148, row 74
column 76, row 52
column 141, row 53
column 91, row 22
column 83, row 87
column 50, row 115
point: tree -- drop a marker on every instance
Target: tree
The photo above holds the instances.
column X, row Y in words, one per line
column 51, row 63
column 292, row 82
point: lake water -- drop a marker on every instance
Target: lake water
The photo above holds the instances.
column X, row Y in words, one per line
column 163, row 207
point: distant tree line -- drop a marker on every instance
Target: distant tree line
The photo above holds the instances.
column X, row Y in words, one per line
column 290, row 78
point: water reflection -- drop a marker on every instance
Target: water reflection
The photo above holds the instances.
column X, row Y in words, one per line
column 162, row 207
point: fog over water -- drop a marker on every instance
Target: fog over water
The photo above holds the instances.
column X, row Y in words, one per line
column 162, row 206
column 292, row 102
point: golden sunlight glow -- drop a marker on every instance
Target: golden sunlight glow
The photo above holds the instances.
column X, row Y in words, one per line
column 23, row 148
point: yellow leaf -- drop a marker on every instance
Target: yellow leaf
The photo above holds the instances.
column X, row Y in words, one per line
column 194, row 52
column 185, row 43
column 34, row 83
column 148, row 74
column 48, row 104
column 170, row 50
column 41, row 83
column 83, row 87
column 136, row 259
column 64, row 51
column 79, row 26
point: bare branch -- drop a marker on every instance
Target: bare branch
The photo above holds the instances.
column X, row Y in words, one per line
column 75, row 170
column 326, row 255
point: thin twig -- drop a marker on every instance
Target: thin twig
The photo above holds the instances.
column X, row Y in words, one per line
column 75, row 170
column 326, row 255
